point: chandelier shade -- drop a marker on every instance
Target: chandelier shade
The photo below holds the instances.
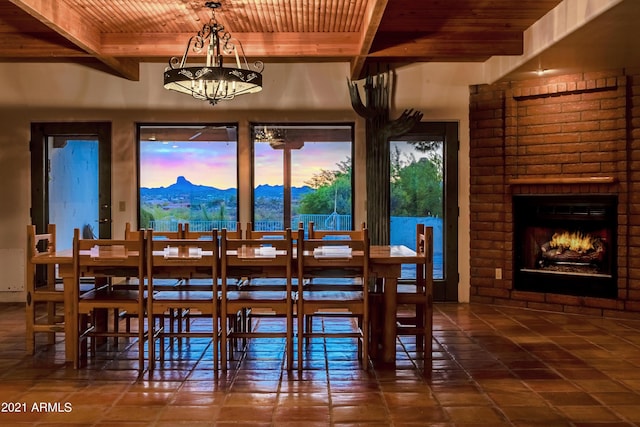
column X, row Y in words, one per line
column 212, row 81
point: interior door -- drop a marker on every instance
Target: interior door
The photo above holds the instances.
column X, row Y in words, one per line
column 71, row 179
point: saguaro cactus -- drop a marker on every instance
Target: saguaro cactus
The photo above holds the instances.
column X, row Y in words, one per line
column 379, row 129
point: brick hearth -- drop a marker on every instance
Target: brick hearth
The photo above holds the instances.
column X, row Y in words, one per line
column 572, row 134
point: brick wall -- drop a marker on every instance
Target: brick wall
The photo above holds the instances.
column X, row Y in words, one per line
column 572, row 134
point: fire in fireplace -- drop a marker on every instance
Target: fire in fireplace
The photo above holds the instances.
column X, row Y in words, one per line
column 565, row 244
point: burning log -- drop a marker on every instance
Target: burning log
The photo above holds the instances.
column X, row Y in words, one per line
column 573, row 248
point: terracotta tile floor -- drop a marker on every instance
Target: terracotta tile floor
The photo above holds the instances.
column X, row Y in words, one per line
column 492, row 366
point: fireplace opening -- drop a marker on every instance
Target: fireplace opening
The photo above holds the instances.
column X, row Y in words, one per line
column 565, row 244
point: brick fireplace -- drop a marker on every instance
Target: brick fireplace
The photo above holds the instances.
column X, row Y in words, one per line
column 565, row 137
column 565, row 244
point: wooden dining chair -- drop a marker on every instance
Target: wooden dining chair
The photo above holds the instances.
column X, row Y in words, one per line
column 183, row 317
column 132, row 233
column 335, row 260
column 42, row 289
column 248, row 317
column 112, row 259
column 255, row 258
column 189, row 259
column 415, row 300
column 277, row 284
column 320, row 283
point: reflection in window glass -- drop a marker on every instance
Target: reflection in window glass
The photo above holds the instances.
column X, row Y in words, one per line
column 188, row 174
column 73, row 202
column 417, row 195
column 269, row 188
column 302, row 173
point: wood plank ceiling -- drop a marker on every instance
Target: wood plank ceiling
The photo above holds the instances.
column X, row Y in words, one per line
column 117, row 35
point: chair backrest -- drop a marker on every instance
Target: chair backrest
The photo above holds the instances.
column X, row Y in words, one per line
column 130, row 233
column 109, row 257
column 40, row 244
column 336, row 234
column 44, row 243
column 421, row 251
column 182, row 258
column 256, row 257
column 424, row 249
column 318, row 257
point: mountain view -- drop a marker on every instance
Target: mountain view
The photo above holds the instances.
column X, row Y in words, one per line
column 185, row 200
column 183, row 186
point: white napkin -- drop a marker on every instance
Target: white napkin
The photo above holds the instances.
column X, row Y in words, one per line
column 170, row 252
column 94, row 252
column 332, row 252
column 265, row 252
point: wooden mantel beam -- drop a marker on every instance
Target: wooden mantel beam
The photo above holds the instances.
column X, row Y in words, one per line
column 62, row 19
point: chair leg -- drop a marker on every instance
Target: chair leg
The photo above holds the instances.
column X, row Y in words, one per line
column 421, row 338
column 223, row 341
column 300, row 337
column 289, row 341
column 80, row 356
column 161, row 326
column 365, row 341
column 51, row 319
column 308, row 329
column 141, row 340
column 31, row 316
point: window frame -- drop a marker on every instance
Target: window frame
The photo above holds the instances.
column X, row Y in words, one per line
column 235, row 125
column 255, row 125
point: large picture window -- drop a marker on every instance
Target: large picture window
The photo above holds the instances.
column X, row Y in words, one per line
column 188, row 174
column 302, row 173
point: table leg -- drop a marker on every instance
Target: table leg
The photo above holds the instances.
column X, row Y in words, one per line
column 70, row 318
column 389, row 329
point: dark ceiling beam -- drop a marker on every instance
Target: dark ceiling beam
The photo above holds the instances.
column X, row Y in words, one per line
column 372, row 19
column 450, row 45
column 66, row 22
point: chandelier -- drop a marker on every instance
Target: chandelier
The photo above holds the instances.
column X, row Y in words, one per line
column 212, row 81
column 275, row 137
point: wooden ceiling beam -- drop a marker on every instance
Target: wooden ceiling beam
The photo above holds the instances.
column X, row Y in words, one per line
column 37, row 45
column 460, row 45
column 66, row 22
column 371, row 22
column 255, row 45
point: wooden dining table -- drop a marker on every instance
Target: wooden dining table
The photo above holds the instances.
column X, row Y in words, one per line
column 385, row 263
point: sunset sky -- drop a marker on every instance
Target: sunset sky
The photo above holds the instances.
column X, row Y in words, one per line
column 214, row 163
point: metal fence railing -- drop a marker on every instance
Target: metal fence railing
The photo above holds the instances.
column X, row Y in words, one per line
column 321, row 222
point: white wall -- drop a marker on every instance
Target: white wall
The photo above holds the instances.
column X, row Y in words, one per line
column 292, row 92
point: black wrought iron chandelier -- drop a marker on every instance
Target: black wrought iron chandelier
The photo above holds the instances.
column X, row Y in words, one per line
column 275, row 137
column 212, row 81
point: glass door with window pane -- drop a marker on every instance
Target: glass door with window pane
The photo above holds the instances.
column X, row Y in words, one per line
column 71, row 179
column 424, row 190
